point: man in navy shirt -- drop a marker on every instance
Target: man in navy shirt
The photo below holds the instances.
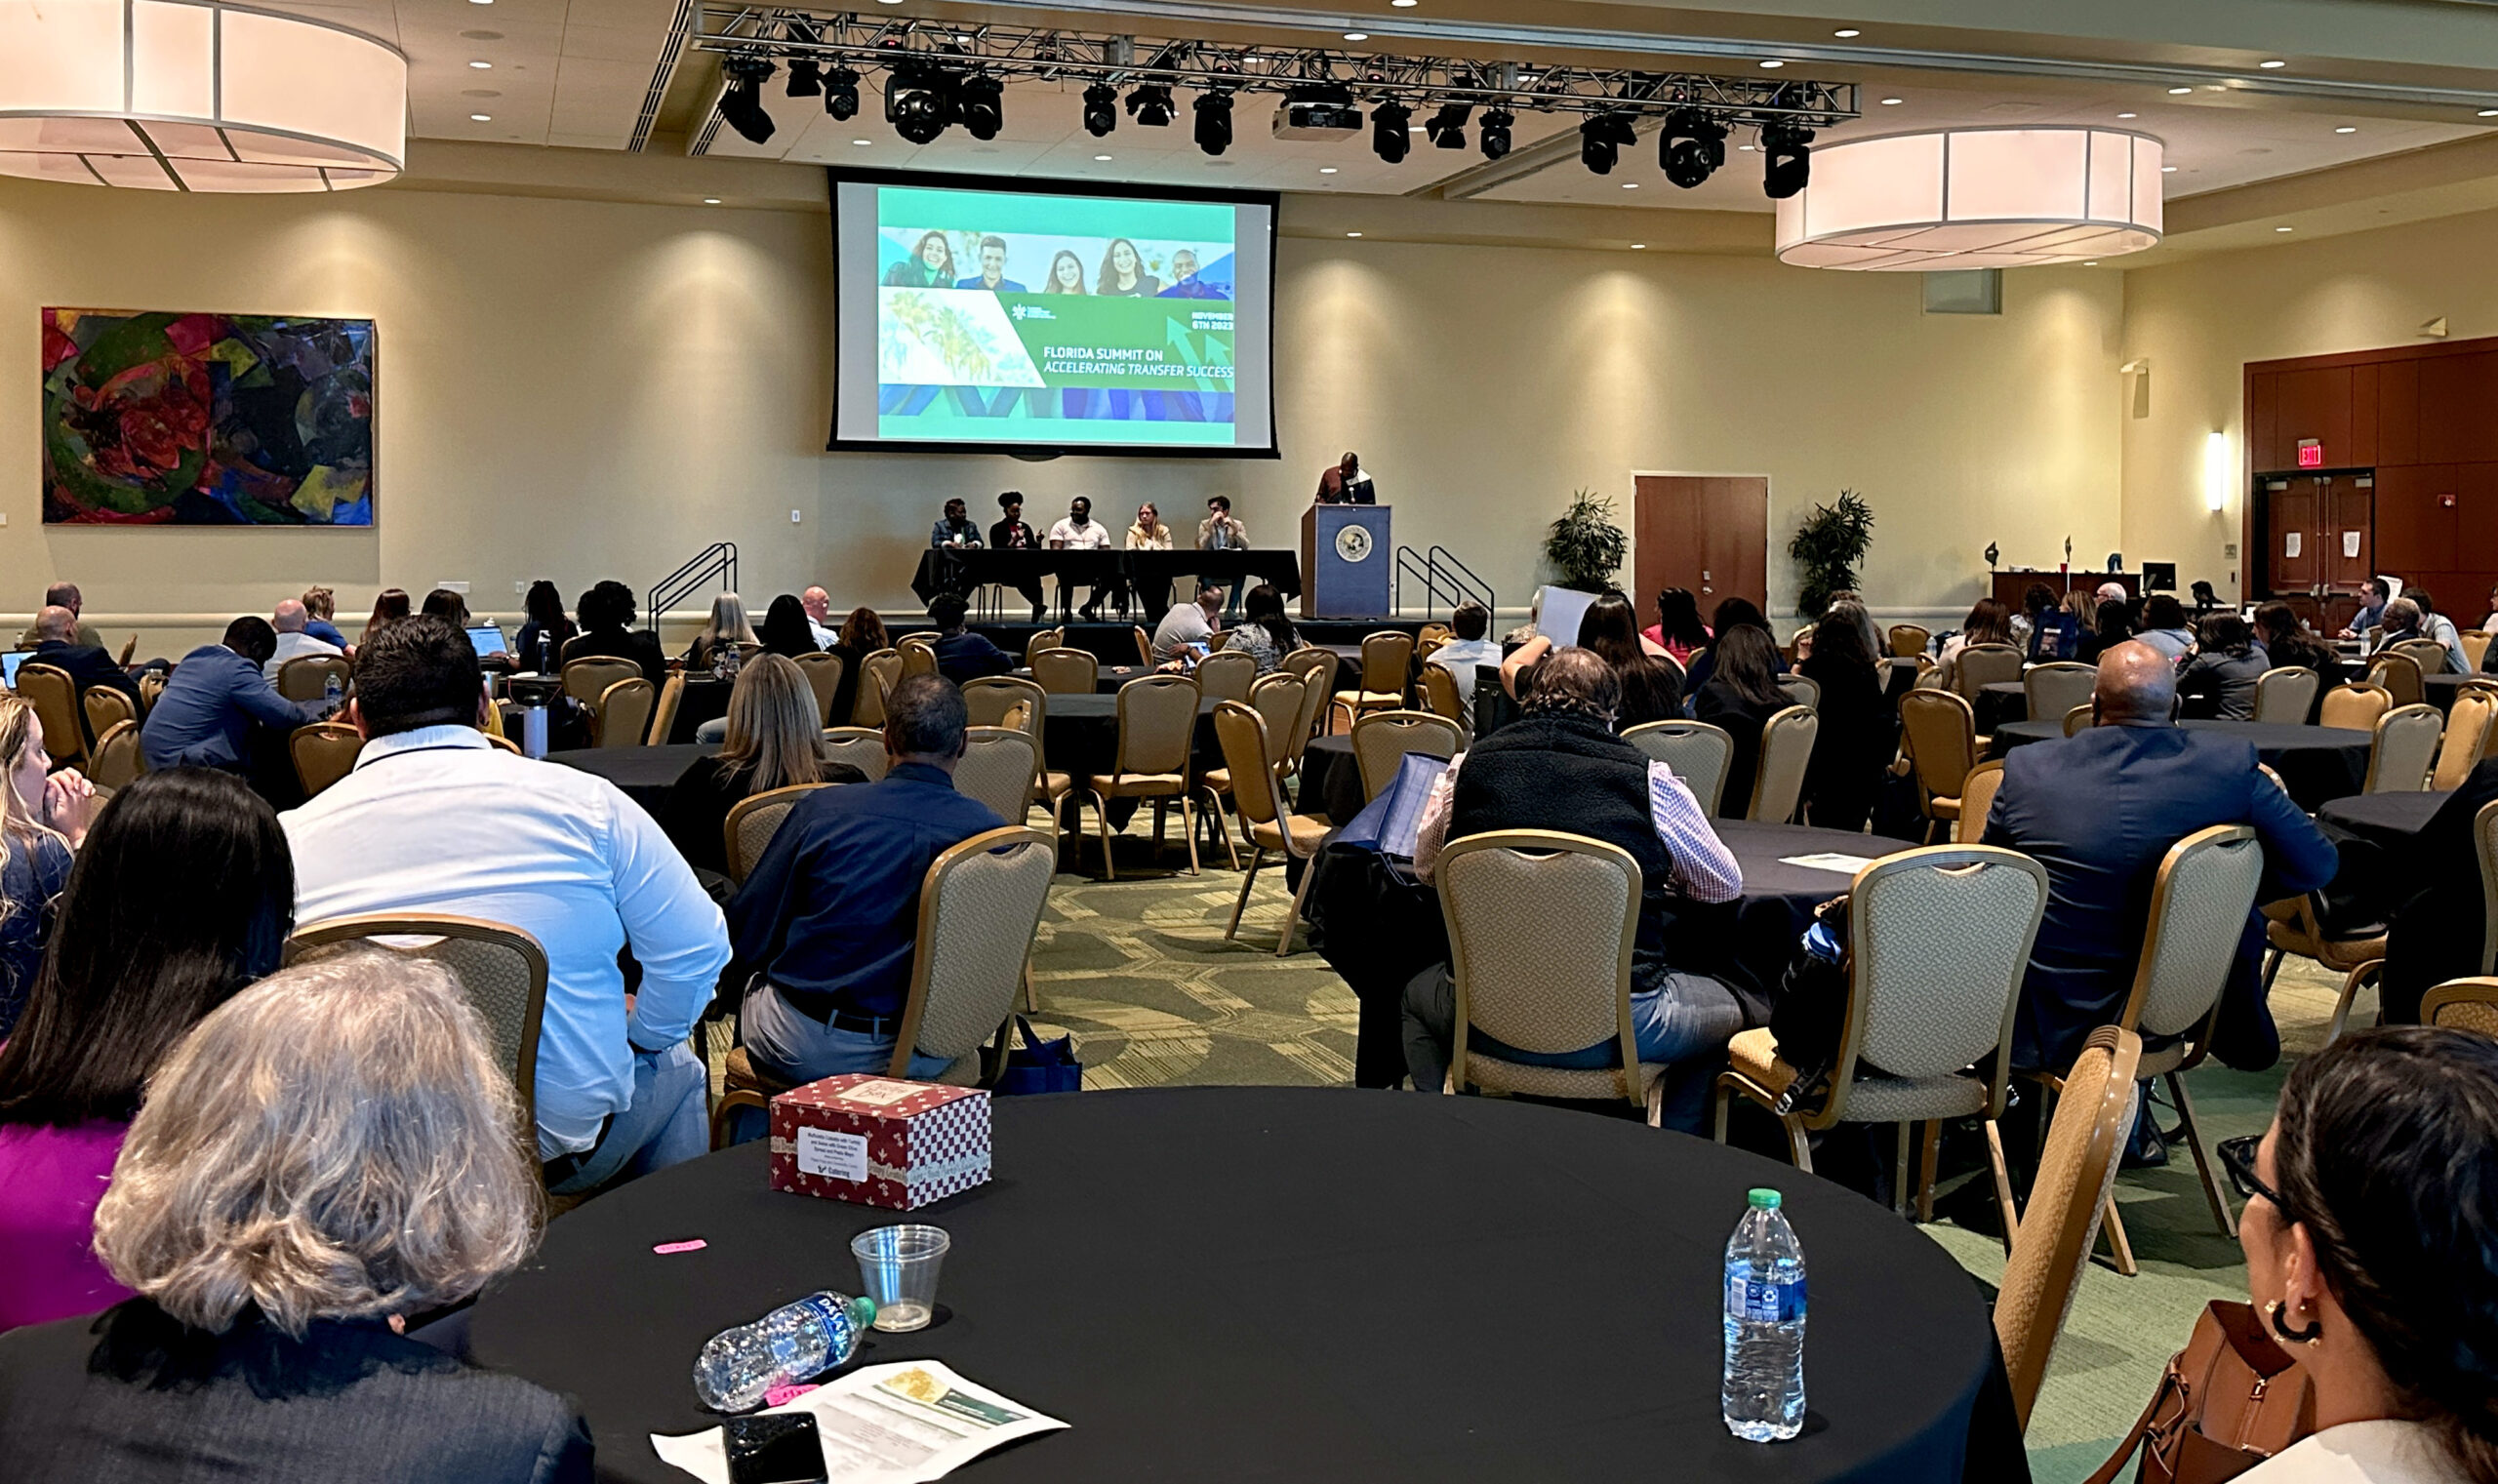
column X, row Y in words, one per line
column 962, row 656
column 830, row 916
column 55, row 644
column 215, row 696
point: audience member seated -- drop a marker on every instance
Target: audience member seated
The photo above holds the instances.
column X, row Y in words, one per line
column 544, row 630
column 818, row 607
column 55, row 635
column 606, row 614
column 2108, row 630
column 1465, row 653
column 1859, row 722
column 2075, row 619
column 218, row 694
column 2164, row 626
column 435, row 819
column 1677, row 631
column 1988, row 622
column 1560, row 766
column 2434, row 626
column 829, row 918
column 321, row 613
column 2040, row 626
column 2374, row 594
column 1266, row 634
column 961, row 655
column 64, row 595
column 294, row 638
column 183, row 894
column 280, row 1218
column 391, row 607
column 2219, row 679
column 1741, row 697
column 2098, row 810
column 43, row 819
column 1186, row 623
column 1651, row 682
column 862, row 634
column 721, row 633
column 2288, row 641
column 1733, row 613
column 773, row 742
column 785, row 630
column 2366, row 1231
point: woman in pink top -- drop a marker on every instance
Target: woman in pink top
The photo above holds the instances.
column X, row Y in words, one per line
column 1678, row 627
column 183, row 895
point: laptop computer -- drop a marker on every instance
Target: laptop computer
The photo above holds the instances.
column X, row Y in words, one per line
column 9, row 663
column 488, row 638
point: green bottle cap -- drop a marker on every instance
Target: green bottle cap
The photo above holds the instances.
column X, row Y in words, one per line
column 1764, row 1199
column 863, row 1311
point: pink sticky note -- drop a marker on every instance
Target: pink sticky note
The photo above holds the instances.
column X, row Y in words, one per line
column 670, row 1249
column 783, row 1395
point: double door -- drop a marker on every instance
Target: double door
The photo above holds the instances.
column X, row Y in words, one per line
column 2320, row 535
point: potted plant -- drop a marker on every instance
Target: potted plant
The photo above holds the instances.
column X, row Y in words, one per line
column 1827, row 548
column 1585, row 546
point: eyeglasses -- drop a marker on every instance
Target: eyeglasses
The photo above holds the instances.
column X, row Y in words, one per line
column 2238, row 1157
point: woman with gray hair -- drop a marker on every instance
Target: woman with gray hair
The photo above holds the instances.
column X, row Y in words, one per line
column 324, row 1154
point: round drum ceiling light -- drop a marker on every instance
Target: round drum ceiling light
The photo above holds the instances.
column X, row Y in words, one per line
column 1975, row 198
column 194, row 94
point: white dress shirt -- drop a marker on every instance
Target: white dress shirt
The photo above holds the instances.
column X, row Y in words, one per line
column 1092, row 536
column 295, row 646
column 2361, row 1453
column 438, row 820
column 824, row 636
column 1460, row 657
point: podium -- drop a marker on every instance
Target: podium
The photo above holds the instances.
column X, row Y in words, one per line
column 1345, row 551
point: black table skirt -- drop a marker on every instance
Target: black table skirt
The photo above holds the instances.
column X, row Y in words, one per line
column 703, row 699
column 1303, row 1284
column 645, row 774
column 2440, row 690
column 2002, row 701
column 2317, row 763
column 1098, row 572
column 2390, row 821
column 1082, row 738
column 1331, row 780
column 1107, row 682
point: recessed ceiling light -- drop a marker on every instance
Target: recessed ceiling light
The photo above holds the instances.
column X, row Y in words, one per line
column 2347, row 129
column 1326, row 169
column 710, row 200
column 1637, row 246
column 2272, row 64
column 481, row 118
column 2285, row 229
column 1357, row 35
column 1748, row 148
column 481, row 2
column 1771, row 64
column 2129, row 115
column 1103, row 158
column 1847, row 33
column 1404, row 5
column 482, row 67
column 2169, row 170
column 1630, row 185
column 2488, row 113
column 863, row 143
column 2173, row 91
column 1893, row 102
column 1353, row 234
column 2090, row 262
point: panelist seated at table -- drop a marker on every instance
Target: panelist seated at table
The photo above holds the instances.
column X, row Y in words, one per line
column 2099, row 810
column 1012, row 533
column 219, row 693
column 1560, row 766
column 1220, row 529
column 435, row 819
column 955, row 531
column 280, row 1219
column 1080, row 531
column 828, row 919
column 963, row 656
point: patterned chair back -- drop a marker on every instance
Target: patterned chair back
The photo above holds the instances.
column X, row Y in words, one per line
column 1908, row 640
column 2357, row 707
column 1801, row 691
column 1940, row 731
column 2199, row 902
column 1984, row 664
column 1785, row 751
column 1439, row 692
column 1047, row 638
column 1540, row 926
column 1385, row 658
column 588, row 679
column 998, row 766
column 107, row 708
column 979, row 907
column 1066, row 671
column 117, row 760
column 324, row 752
column 918, row 656
column 2463, row 1004
column 2398, row 674
column 861, row 747
column 1318, row 669
column 1280, row 700
column 664, row 714
column 1157, row 722
column 1226, row 675
column 824, row 677
column 2466, row 739
column 1940, row 942
column 2405, row 745
column 2052, row 690
column 2428, row 653
column 623, row 713
column 1977, row 800
column 755, row 820
column 1381, row 739
column 2079, row 720
column 307, row 677
column 1698, row 752
column 2286, row 693
column 1249, row 755
column 988, row 699
column 878, row 673
column 53, row 695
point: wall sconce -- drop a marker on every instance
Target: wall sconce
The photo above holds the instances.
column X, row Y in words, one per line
column 2220, row 473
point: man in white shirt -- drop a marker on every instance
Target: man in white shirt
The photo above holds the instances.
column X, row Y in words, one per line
column 1188, row 624
column 292, row 641
column 435, row 819
column 1461, row 655
column 819, row 606
column 1080, row 531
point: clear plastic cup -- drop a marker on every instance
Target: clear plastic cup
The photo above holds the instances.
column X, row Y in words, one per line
column 897, row 1268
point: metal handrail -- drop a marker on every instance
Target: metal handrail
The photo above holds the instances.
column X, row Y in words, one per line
column 1462, row 585
column 1471, row 584
column 717, row 560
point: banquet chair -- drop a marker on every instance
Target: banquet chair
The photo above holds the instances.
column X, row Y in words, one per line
column 1145, row 655
column 307, row 677
column 2404, row 748
column 1938, row 944
column 753, row 821
column 2463, row 1004
column 1697, row 751
column 1227, row 677
column 1317, row 669
column 991, row 700
column 2469, row 722
column 2081, row 719
column 623, row 716
column 151, row 686
column 664, row 714
column 1435, row 634
column 2398, row 676
column 105, row 708
column 918, row 658
column 588, row 679
column 1277, row 698
column 2474, row 641
column 1268, row 819
column 2072, row 1189
column 501, row 970
column 49, row 689
column 1908, row 640
column 504, row 744
column 323, row 753
column 1786, row 751
column 1381, row 687
column 1157, row 723
column 1066, row 671
column 1794, row 641
column 1801, row 691
column 1939, row 733
column 1047, row 638
column 2428, row 653
column 2286, row 693
column 2356, row 707
column 824, row 677
column 1381, row 739
column 1980, row 665
column 1977, row 799
column 861, row 747
column 998, row 768
column 928, row 635
column 1540, row 926
column 129, row 647
column 2484, row 839
column 1439, row 694
column 2056, row 688
column 117, row 761
column 877, row 674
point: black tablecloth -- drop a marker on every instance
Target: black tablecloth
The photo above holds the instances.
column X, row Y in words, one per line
column 2390, row 821
column 1107, row 682
column 1331, row 780
column 645, row 774
column 1083, row 736
column 706, row 698
column 2001, row 701
column 1146, row 572
column 2440, row 690
column 2315, row 763
column 1304, row 1284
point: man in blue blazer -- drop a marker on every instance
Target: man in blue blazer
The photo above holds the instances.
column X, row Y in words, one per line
column 2099, row 810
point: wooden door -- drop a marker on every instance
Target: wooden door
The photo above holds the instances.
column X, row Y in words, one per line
column 2293, row 536
column 1708, row 533
column 2350, row 532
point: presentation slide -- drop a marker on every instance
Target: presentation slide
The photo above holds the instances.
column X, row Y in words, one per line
column 977, row 316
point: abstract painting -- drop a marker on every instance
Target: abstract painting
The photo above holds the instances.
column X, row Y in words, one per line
column 206, row 420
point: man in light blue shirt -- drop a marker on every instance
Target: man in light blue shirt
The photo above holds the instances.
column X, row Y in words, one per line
column 1462, row 655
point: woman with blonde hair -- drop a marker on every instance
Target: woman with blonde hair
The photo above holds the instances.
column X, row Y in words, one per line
column 773, row 742
column 326, row 1155
column 43, row 818
column 320, row 615
column 726, row 629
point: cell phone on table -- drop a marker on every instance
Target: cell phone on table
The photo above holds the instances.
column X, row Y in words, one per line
column 774, row 1448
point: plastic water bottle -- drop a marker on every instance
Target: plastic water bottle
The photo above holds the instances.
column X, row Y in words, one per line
column 1764, row 1396
column 331, row 690
column 545, row 654
column 794, row 1343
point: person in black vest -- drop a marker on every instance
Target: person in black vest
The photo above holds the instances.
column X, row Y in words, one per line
column 1560, row 766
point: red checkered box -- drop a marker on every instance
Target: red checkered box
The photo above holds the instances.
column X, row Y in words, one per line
column 880, row 1141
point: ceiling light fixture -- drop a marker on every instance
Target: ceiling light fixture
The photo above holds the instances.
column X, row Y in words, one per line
column 1326, row 169
column 863, row 143
column 1847, row 33
column 1357, row 35
column 2347, row 129
column 2179, row 91
column 2285, row 229
column 1100, row 109
column 919, row 101
column 2272, row 65
column 1975, row 198
column 710, row 200
column 1893, row 102
column 1787, row 166
column 1690, row 147
column 2169, row 170
column 1214, row 122
column 741, row 99
column 2488, row 113
column 1151, row 105
column 1495, row 133
column 806, row 77
column 1601, row 137
column 483, row 66
column 1771, row 63
column 2128, row 115
column 1637, row 246
column 1389, row 135
column 1353, row 234
column 980, row 106
column 841, row 94
column 481, row 118
column 1447, row 127
column 1102, row 159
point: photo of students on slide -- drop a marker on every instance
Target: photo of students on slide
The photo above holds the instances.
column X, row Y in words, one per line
column 992, row 269
column 1066, row 274
column 930, row 265
column 1123, row 273
column 1185, row 284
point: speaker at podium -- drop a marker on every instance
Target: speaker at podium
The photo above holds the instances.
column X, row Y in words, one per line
column 1346, row 552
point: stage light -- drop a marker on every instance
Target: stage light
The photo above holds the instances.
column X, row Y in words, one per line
column 806, row 77
column 1214, row 122
column 981, row 106
column 1447, row 127
column 743, row 103
column 1691, row 146
column 919, row 103
column 1787, row 151
column 1100, row 109
column 1496, row 132
column 1601, row 137
column 841, row 92
column 1389, row 140
column 1151, row 105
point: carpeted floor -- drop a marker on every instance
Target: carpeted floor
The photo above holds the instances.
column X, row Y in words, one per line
column 1140, row 972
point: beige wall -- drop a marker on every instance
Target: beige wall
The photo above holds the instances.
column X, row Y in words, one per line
column 582, row 388
column 2201, row 320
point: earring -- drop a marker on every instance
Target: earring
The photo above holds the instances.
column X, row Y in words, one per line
column 2309, row 1335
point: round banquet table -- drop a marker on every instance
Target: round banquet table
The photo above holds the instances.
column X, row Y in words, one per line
column 706, row 698
column 2389, row 821
column 2001, row 702
column 1106, row 681
column 2315, row 763
column 1331, row 780
column 2440, row 690
column 1082, row 735
column 1307, row 1284
column 645, row 774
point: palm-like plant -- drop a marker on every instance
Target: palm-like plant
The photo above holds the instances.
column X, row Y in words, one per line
column 1585, row 546
column 1827, row 548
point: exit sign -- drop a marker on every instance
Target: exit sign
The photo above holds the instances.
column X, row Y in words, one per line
column 2311, row 454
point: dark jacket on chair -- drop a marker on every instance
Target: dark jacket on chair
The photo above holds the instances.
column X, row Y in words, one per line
column 2099, row 810
column 133, row 1396
column 88, row 667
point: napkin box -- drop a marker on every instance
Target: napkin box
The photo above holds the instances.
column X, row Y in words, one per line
column 880, row 1141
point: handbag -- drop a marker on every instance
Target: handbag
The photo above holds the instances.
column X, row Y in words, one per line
column 1037, row 1065
column 2229, row 1401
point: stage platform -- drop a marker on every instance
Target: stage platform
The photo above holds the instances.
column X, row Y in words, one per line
column 1114, row 643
